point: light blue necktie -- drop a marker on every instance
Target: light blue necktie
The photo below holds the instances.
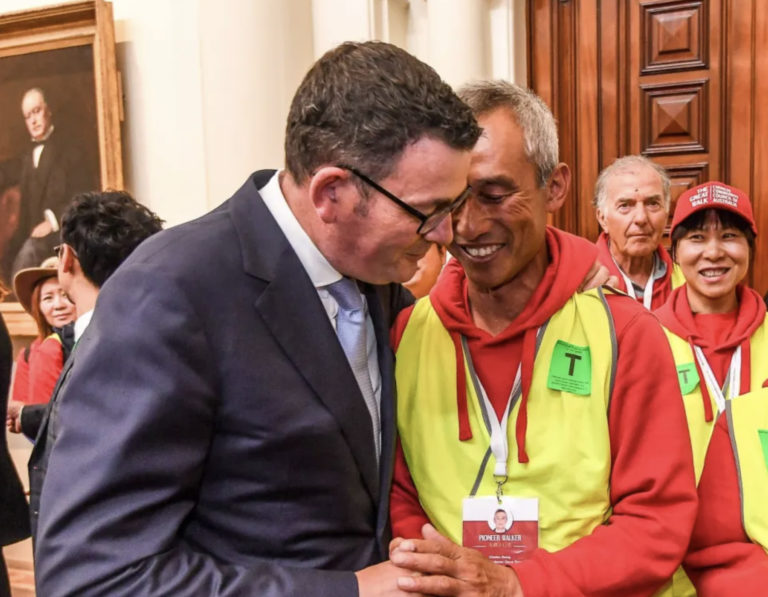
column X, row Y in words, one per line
column 351, row 330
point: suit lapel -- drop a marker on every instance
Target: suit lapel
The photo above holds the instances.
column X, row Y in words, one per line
column 291, row 309
column 42, row 433
column 388, row 403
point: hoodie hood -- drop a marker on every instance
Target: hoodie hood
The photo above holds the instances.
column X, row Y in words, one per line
column 570, row 259
column 661, row 288
column 677, row 317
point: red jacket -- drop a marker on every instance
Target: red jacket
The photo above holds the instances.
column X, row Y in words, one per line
column 37, row 371
column 652, row 483
column 661, row 288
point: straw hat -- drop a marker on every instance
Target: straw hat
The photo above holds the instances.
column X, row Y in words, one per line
column 24, row 281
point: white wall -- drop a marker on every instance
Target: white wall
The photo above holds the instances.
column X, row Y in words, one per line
column 207, row 83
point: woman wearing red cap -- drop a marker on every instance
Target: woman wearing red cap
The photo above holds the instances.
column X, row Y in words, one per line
column 716, row 327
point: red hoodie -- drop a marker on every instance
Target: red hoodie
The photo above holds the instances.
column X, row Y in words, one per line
column 661, row 288
column 721, row 559
column 652, row 485
column 717, row 334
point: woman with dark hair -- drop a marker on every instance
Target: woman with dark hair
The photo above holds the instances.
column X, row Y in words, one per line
column 716, row 328
column 38, row 367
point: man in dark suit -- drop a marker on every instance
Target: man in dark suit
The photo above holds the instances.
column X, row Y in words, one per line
column 14, row 514
column 98, row 232
column 52, row 171
column 215, row 438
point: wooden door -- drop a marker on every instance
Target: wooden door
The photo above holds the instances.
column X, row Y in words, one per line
column 675, row 80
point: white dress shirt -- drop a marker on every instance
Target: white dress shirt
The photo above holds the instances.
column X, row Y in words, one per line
column 318, row 269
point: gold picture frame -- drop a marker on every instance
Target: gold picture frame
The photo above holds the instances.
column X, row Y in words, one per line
column 67, row 50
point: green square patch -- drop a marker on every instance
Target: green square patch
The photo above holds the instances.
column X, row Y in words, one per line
column 570, row 369
column 763, row 433
column 688, row 378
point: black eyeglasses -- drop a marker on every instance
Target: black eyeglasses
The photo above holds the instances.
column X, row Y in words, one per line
column 59, row 248
column 428, row 222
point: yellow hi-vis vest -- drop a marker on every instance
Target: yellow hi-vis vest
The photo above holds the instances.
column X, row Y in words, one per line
column 748, row 427
column 677, row 278
column 567, row 437
column 699, row 428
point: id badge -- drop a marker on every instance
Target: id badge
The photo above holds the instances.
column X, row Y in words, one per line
column 506, row 532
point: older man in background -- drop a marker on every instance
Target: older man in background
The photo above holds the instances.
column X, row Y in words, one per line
column 632, row 205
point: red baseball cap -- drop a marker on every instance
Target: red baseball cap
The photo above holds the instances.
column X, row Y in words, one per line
column 713, row 195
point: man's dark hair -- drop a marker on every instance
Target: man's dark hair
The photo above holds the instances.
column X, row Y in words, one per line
column 723, row 218
column 362, row 104
column 104, row 228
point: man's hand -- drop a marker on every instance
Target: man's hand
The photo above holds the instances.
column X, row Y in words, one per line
column 598, row 275
column 448, row 569
column 13, row 416
column 381, row 581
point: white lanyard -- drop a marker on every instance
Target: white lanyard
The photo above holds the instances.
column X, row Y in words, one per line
column 647, row 293
column 499, row 440
column 732, row 382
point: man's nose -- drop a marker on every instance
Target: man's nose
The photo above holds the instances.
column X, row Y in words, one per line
column 442, row 234
column 639, row 214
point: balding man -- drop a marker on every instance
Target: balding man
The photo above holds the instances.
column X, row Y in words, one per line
column 632, row 204
column 53, row 170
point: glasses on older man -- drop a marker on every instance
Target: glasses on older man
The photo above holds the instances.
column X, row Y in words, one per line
column 428, row 221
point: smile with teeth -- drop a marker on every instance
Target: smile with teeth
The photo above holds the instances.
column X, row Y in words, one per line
column 713, row 272
column 482, row 251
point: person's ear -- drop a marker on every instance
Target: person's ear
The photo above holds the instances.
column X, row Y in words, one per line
column 557, row 187
column 600, row 215
column 67, row 258
column 326, row 190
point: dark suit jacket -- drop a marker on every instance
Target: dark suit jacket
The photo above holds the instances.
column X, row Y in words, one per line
column 212, row 438
column 31, row 419
column 14, row 514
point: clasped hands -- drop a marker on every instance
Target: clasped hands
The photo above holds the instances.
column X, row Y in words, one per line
column 435, row 565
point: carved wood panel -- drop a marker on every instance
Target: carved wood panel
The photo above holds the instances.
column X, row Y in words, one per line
column 683, row 82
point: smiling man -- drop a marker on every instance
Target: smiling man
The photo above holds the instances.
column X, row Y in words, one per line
column 632, row 205
column 514, row 387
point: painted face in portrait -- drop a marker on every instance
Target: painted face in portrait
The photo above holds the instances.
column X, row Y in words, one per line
column 37, row 115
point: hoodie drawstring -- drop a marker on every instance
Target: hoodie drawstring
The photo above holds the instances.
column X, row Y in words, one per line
column 521, row 425
column 465, row 429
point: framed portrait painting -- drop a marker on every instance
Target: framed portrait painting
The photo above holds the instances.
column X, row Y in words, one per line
column 61, row 98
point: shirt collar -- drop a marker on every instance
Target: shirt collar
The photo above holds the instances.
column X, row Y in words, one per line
column 81, row 323
column 314, row 262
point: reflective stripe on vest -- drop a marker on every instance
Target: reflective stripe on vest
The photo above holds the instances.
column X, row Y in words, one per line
column 748, row 428
column 699, row 428
column 567, row 437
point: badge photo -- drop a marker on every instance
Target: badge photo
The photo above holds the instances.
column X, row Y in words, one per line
column 506, row 531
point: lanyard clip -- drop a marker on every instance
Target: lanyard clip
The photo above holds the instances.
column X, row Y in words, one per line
column 499, row 485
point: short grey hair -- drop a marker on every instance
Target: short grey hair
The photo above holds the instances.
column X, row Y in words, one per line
column 630, row 163
column 531, row 114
